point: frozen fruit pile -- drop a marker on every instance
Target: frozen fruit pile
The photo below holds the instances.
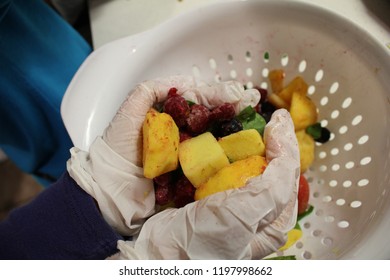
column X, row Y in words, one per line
column 174, row 188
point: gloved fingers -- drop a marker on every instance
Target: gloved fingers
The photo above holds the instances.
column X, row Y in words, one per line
column 279, row 136
column 266, row 242
column 207, row 229
column 281, row 175
column 124, row 131
column 221, row 226
column 250, row 222
column 224, row 92
column 125, row 198
column 146, row 94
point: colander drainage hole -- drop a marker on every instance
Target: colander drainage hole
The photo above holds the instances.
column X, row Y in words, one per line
column 347, row 183
column 233, row 74
column 265, row 72
column 230, row 59
column 327, row 241
column 249, row 85
column 284, row 60
column 249, row 72
column 334, row 151
column 302, row 66
column 363, row 182
column 349, row 165
column 335, row 167
column 212, row 63
column 329, row 219
column 343, row 224
column 356, row 120
column 324, row 100
column 334, row 87
column 307, row 255
column 348, row 147
column 335, row 114
column 365, row 160
column 319, row 75
column 299, row 245
column 356, row 204
column 340, row 202
column 311, row 90
column 319, row 212
column 248, row 56
column 363, row 140
column 316, row 233
column 266, row 56
column 343, row 129
column 322, row 155
column 346, row 103
column 333, row 183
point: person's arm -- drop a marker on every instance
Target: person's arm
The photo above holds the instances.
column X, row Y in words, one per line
column 63, row 222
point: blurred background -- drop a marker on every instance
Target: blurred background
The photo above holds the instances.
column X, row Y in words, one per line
column 16, row 187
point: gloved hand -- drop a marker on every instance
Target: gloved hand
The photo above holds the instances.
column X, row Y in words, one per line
column 245, row 223
column 111, row 171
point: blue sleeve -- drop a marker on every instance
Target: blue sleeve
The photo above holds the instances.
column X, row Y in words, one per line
column 39, row 54
column 63, row 222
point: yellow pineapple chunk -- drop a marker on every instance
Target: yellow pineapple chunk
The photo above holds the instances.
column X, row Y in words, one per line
column 235, row 175
column 292, row 237
column 201, row 157
column 306, row 146
column 276, row 78
column 303, row 111
column 242, row 144
column 277, row 101
column 160, row 144
column 296, row 85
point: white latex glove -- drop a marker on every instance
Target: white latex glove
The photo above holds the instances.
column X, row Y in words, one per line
column 232, row 92
column 246, row 223
column 112, row 172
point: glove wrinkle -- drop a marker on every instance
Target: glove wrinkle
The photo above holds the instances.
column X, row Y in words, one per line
column 246, row 223
column 123, row 205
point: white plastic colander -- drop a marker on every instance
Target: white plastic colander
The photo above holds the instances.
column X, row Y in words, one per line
column 349, row 76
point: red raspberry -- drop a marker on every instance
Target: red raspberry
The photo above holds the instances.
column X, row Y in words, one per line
column 177, row 107
column 184, row 136
column 165, row 179
column 198, row 119
column 163, row 194
column 184, row 192
column 223, row 112
column 172, row 92
column 164, row 188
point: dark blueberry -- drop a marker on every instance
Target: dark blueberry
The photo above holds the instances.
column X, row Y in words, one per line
column 266, row 111
column 228, row 127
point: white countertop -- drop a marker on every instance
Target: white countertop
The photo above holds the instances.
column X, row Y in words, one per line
column 114, row 19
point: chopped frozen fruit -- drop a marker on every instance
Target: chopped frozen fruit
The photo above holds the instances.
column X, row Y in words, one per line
column 184, row 192
column 177, row 107
column 223, row 112
column 163, row 194
column 198, row 119
column 228, row 127
column 184, row 135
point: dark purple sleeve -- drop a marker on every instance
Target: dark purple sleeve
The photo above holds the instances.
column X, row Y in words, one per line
column 63, row 222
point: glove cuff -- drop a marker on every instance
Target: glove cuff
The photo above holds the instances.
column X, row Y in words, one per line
column 125, row 197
